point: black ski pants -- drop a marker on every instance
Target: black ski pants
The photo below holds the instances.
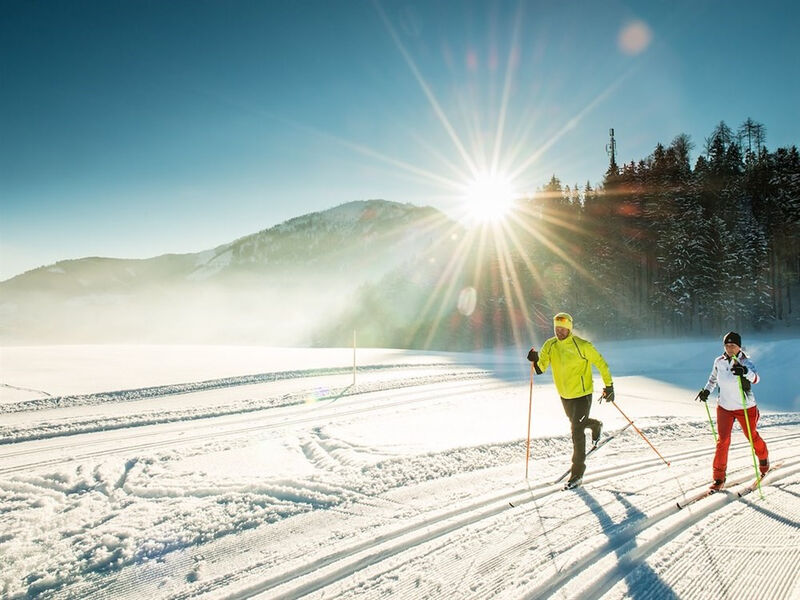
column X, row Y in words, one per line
column 577, row 410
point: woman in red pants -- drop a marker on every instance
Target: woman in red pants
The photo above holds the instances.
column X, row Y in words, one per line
column 735, row 374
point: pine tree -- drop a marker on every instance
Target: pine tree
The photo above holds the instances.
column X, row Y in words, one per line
column 753, row 270
column 722, row 305
column 683, row 270
column 781, row 212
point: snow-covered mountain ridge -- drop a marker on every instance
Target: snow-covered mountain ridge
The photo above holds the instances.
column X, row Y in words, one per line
column 305, row 267
column 299, row 240
column 334, row 238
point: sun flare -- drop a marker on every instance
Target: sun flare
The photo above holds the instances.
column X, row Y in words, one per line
column 489, row 198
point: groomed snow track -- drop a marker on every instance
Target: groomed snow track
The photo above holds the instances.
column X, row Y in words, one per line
column 630, row 542
column 481, row 539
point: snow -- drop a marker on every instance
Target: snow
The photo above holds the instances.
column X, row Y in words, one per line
column 251, row 472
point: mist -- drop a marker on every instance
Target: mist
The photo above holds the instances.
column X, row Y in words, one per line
column 280, row 286
column 281, row 312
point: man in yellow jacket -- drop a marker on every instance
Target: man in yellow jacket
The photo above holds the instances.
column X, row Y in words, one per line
column 572, row 358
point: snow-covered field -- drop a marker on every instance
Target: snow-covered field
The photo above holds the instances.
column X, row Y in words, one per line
column 231, row 472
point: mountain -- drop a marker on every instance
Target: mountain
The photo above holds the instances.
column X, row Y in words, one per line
column 276, row 286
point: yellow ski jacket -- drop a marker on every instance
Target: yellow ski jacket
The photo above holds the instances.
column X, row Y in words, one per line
column 572, row 360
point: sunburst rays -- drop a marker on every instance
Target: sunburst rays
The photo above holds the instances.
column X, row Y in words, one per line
column 494, row 256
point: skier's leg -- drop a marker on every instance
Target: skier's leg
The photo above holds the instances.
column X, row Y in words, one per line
column 594, row 424
column 577, row 410
column 725, row 420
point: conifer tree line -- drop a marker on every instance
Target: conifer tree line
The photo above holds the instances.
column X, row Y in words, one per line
column 660, row 248
column 664, row 248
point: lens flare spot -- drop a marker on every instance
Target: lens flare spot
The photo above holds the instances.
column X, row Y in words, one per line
column 467, row 300
column 634, row 38
column 472, row 61
column 317, row 395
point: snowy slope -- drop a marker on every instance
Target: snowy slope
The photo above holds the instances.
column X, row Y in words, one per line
column 227, row 480
column 277, row 286
column 366, row 237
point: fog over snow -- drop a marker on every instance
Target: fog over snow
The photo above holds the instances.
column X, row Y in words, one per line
column 249, row 472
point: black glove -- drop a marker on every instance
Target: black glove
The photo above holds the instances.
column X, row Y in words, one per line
column 533, row 355
column 739, row 370
column 608, row 393
column 703, row 395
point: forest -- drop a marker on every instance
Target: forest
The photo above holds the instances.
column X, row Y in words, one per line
column 669, row 249
column 661, row 248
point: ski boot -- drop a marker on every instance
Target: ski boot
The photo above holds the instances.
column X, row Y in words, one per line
column 596, row 431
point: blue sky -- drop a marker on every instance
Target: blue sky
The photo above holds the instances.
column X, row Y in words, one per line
column 132, row 129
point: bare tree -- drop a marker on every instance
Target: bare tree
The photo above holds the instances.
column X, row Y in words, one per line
column 754, row 133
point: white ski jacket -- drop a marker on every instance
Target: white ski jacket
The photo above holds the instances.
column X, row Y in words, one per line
column 730, row 394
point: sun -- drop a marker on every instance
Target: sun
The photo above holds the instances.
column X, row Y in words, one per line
column 489, row 198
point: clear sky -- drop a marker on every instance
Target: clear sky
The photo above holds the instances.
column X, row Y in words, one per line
column 136, row 128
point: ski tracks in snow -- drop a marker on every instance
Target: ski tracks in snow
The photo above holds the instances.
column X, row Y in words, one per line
column 434, row 526
column 543, row 547
column 488, row 549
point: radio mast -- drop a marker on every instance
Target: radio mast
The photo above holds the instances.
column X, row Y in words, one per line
column 611, row 150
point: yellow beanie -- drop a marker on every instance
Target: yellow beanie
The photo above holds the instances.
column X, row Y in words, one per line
column 563, row 319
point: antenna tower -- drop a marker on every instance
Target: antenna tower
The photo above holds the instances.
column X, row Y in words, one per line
column 611, row 148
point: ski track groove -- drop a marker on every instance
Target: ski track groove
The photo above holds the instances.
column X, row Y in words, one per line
column 635, row 556
column 589, row 529
column 303, row 417
column 287, row 576
column 725, row 585
column 630, row 555
column 377, row 556
column 404, row 539
column 166, row 417
column 440, row 390
column 432, row 530
column 134, row 394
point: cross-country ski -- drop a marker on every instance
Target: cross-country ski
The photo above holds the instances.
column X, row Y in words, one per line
column 695, row 498
column 760, row 480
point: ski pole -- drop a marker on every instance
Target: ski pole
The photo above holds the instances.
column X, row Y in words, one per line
column 528, row 443
column 749, row 434
column 710, row 421
column 644, row 437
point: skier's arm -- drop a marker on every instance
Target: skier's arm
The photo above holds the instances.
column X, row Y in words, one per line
column 752, row 374
column 600, row 363
column 712, row 379
column 544, row 358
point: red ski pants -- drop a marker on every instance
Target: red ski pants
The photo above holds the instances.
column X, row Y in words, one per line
column 725, row 419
